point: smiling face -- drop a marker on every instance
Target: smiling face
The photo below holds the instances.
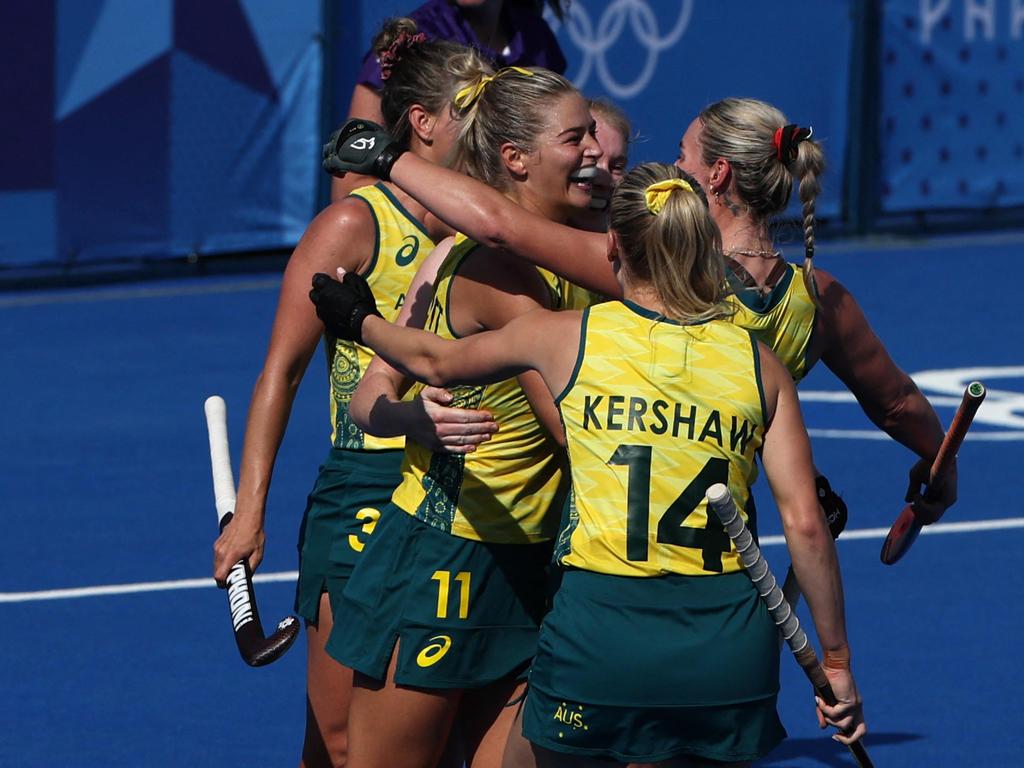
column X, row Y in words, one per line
column 609, row 171
column 614, row 156
column 556, row 174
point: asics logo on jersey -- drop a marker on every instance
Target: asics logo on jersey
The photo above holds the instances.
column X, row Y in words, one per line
column 407, row 253
column 435, row 651
column 363, row 143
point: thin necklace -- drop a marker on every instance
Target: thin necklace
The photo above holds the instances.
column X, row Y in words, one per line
column 765, row 254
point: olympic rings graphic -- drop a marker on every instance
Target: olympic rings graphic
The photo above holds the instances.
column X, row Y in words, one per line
column 594, row 44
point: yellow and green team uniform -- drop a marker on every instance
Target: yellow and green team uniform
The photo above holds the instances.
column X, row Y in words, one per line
column 361, row 471
column 784, row 319
column 459, row 577
column 657, row 644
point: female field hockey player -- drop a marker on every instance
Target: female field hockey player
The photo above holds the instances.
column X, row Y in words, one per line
column 658, row 648
column 614, row 133
column 443, row 609
column 747, row 158
column 381, row 233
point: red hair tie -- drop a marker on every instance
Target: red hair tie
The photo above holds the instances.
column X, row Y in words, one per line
column 787, row 139
column 393, row 54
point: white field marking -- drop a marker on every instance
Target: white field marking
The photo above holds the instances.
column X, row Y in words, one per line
column 130, row 589
column 970, row 526
column 842, row 396
column 119, row 294
column 877, row 434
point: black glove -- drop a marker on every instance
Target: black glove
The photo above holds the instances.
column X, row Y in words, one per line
column 832, row 503
column 343, row 306
column 360, row 146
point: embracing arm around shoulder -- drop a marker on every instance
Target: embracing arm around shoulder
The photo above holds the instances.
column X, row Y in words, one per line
column 541, row 340
column 343, row 233
column 377, row 406
column 494, row 220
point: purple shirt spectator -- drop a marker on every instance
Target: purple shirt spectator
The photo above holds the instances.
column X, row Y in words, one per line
column 531, row 42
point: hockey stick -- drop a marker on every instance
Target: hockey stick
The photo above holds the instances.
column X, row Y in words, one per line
column 256, row 649
column 721, row 501
column 904, row 531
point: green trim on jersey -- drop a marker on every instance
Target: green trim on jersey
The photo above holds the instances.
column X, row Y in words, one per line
column 401, row 245
column 401, row 208
column 581, row 349
column 785, row 319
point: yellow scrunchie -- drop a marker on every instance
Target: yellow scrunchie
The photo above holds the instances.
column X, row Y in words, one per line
column 657, row 194
column 465, row 97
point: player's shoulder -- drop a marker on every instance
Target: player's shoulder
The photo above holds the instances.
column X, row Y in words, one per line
column 832, row 294
column 346, row 216
column 503, row 271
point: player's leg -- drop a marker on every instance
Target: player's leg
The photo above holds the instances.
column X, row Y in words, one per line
column 397, row 726
column 485, row 720
column 328, row 690
column 548, row 758
column 518, row 751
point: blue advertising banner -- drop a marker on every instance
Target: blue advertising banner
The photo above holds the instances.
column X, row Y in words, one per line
column 156, row 129
column 952, row 96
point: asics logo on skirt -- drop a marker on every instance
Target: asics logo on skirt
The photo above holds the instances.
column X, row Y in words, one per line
column 435, row 651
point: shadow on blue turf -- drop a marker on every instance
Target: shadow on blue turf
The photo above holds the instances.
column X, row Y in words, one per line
column 827, row 752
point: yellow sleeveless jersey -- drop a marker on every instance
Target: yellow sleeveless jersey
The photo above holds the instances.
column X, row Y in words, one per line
column 402, row 245
column 511, row 489
column 784, row 319
column 654, row 413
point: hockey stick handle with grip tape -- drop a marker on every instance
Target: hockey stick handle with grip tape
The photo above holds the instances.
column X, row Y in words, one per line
column 256, row 649
column 904, row 531
column 721, row 502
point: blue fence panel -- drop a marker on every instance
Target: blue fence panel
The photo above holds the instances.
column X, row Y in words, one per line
column 157, row 129
column 952, row 105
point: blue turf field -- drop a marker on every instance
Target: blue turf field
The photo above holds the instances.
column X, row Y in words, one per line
column 106, row 481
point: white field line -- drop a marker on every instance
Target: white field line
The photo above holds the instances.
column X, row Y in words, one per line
column 290, row 576
column 877, row 434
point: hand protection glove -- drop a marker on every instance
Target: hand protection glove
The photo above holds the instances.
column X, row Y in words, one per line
column 360, row 146
column 343, row 306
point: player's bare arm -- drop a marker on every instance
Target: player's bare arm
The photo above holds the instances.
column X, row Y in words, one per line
column 377, row 405
column 493, row 220
column 335, row 237
column 492, row 289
